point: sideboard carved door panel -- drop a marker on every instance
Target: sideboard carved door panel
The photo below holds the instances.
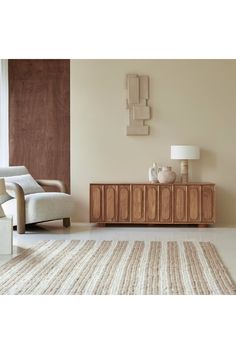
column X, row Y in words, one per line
column 151, row 209
column 180, row 204
column 97, row 203
column 208, row 204
column 165, row 203
column 110, row 203
column 124, row 203
column 138, row 203
column 194, row 204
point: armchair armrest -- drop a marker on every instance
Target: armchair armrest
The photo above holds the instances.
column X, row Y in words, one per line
column 20, row 204
column 53, row 183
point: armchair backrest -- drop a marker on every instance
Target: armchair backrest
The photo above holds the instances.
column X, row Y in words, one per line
column 13, row 171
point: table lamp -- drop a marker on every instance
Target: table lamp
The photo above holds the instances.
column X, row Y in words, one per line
column 3, row 196
column 184, row 153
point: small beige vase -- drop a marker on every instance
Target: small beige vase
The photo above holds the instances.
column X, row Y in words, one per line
column 166, row 175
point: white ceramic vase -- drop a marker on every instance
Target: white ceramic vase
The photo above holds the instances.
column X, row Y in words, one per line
column 166, row 175
column 152, row 173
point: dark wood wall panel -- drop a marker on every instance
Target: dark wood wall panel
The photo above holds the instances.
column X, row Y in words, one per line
column 39, row 117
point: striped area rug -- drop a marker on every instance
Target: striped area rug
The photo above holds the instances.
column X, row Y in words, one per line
column 116, row 267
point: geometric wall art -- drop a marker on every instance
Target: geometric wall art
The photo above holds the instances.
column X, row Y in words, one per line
column 137, row 104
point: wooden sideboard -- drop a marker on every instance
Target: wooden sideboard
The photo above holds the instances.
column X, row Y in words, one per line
column 190, row 203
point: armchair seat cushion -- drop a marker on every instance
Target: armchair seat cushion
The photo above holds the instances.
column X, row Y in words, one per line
column 42, row 207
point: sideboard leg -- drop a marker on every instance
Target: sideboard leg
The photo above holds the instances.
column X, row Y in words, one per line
column 101, row 224
column 202, row 225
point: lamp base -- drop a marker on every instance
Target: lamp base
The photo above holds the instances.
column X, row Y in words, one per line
column 184, row 171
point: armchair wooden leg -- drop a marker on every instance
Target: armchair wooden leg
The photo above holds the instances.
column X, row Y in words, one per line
column 21, row 228
column 66, row 222
column 20, row 207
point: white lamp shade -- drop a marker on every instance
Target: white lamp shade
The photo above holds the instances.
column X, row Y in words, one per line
column 185, row 152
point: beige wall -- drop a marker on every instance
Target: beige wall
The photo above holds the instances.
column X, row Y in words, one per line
column 193, row 102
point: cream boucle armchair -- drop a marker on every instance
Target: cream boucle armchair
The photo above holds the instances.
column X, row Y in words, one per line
column 28, row 203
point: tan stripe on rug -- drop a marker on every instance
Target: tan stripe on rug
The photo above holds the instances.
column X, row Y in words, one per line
column 117, row 268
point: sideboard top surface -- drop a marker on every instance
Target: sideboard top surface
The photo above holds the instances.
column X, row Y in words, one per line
column 154, row 184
